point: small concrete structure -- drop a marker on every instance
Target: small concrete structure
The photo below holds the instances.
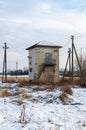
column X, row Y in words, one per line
column 44, row 62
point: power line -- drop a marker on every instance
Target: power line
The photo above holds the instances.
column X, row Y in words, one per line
column 71, row 62
column 66, row 44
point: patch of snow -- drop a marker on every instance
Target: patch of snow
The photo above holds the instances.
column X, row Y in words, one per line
column 46, row 43
column 41, row 114
column 79, row 96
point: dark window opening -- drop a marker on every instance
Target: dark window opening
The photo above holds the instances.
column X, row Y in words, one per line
column 30, row 69
column 30, row 63
column 48, row 58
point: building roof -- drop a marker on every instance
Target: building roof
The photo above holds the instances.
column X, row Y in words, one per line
column 44, row 44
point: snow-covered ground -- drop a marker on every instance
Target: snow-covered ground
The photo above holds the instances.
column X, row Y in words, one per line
column 42, row 110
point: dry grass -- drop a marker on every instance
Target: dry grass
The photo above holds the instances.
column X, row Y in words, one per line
column 67, row 89
column 13, row 79
column 19, row 101
column 25, row 94
column 50, row 86
column 63, row 97
column 4, row 93
column 7, row 92
column 25, row 81
column 75, row 81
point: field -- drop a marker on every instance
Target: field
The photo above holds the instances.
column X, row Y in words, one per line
column 13, row 78
column 39, row 107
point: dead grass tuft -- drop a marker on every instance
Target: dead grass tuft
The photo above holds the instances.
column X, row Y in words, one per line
column 26, row 94
column 52, row 86
column 67, row 89
column 11, row 80
column 36, row 82
column 23, row 93
column 4, row 93
column 75, row 81
column 23, row 81
column 18, row 80
column 19, row 101
column 16, row 93
column 63, row 96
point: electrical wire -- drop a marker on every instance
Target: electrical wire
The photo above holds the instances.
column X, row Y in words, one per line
column 66, row 43
column 65, row 49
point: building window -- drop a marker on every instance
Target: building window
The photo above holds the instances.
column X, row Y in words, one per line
column 29, row 57
column 48, row 58
column 30, row 69
column 30, row 63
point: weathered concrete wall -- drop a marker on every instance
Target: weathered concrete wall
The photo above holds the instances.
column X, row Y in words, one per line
column 33, row 63
column 37, row 59
column 50, row 73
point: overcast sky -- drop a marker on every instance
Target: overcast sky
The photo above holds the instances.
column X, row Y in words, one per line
column 25, row 22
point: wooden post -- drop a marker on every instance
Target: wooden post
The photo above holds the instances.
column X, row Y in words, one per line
column 82, row 77
column 72, row 54
column 16, row 69
column 65, row 67
column 4, row 73
column 69, row 61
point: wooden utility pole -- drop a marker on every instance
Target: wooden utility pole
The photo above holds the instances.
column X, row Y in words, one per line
column 65, row 67
column 4, row 73
column 16, row 69
column 72, row 54
column 68, row 59
column 69, row 62
column 82, row 77
column 74, row 50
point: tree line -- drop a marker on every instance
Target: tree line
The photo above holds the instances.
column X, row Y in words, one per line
column 18, row 72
